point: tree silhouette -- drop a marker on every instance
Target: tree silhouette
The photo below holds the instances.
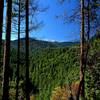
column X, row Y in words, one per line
column 18, row 52
column 27, row 51
column 6, row 62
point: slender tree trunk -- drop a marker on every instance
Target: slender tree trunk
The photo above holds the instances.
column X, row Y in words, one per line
column 82, row 50
column 18, row 55
column 27, row 51
column 1, row 23
column 88, row 36
column 6, row 62
column 81, row 85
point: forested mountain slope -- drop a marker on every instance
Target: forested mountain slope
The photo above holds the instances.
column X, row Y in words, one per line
column 34, row 43
column 54, row 67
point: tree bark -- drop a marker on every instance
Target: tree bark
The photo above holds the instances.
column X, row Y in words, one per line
column 6, row 62
column 18, row 55
column 27, row 51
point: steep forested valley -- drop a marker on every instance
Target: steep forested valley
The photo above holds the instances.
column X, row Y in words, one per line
column 54, row 69
column 49, row 49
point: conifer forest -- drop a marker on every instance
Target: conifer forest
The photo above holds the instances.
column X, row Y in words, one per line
column 50, row 50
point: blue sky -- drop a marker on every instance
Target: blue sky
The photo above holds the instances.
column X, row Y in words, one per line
column 54, row 29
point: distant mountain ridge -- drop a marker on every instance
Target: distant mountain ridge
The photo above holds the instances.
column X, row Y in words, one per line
column 34, row 44
column 41, row 44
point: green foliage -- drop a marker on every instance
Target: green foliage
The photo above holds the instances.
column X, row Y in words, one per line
column 54, row 67
column 93, row 69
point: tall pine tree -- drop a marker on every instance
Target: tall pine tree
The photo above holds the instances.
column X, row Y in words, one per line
column 27, row 51
column 18, row 52
column 81, row 86
column 6, row 62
